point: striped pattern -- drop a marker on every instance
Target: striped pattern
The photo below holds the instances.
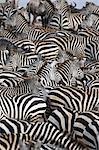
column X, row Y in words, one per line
column 83, row 131
column 31, row 107
column 44, row 132
column 46, row 10
column 63, row 118
column 74, row 98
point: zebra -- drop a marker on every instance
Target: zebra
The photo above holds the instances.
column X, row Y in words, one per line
column 81, row 125
column 21, row 85
column 16, row 126
column 24, row 44
column 71, row 44
column 55, row 74
column 79, row 46
column 31, row 8
column 10, row 82
column 41, row 145
column 4, row 143
column 22, row 88
column 82, row 83
column 63, row 118
column 14, row 141
column 20, row 59
column 4, row 55
column 14, row 20
column 9, row 74
column 32, row 111
column 10, row 79
column 91, row 20
column 18, row 141
column 70, row 69
column 8, row 13
column 49, row 135
column 90, row 47
column 35, row 33
column 22, row 29
column 87, row 31
column 7, row 34
column 65, row 20
column 91, row 135
column 46, row 9
column 47, row 50
column 3, row 7
column 92, row 67
column 74, row 98
column 44, row 75
column 56, row 20
column 1, row 67
column 92, row 8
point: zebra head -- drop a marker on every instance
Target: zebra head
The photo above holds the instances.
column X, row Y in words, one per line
column 75, row 70
column 43, row 5
column 42, row 8
column 90, row 7
column 9, row 16
column 89, row 20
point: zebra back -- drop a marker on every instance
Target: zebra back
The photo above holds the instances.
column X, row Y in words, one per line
column 81, row 126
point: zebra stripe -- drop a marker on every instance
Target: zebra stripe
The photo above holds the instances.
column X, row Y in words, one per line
column 91, row 135
column 24, row 44
column 11, row 126
column 43, row 131
column 92, row 8
column 69, row 70
column 10, row 82
column 81, row 125
column 31, row 33
column 13, row 141
column 91, row 20
column 47, row 11
column 4, row 54
column 63, row 118
column 65, row 20
column 82, row 83
column 68, row 97
column 7, row 34
column 87, row 31
column 19, row 60
column 23, row 107
column 74, row 98
column 44, row 75
column 22, row 88
column 9, row 74
column 4, row 143
column 47, row 50
column 72, row 44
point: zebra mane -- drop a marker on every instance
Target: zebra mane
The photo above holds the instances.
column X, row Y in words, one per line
column 19, row 13
column 49, row 1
